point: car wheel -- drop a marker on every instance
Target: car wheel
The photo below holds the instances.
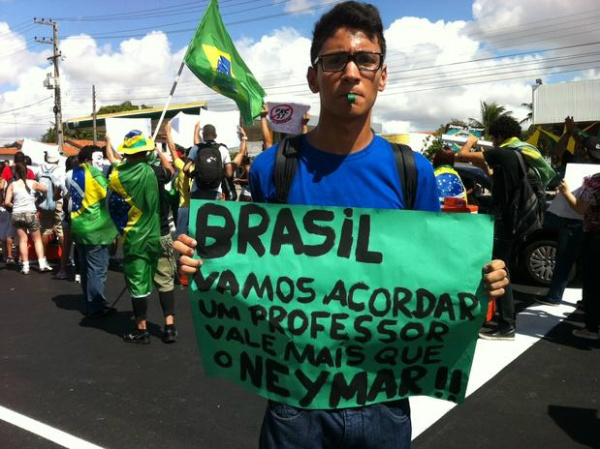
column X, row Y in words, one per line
column 539, row 260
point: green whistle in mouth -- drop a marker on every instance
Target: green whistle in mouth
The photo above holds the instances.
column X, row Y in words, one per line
column 351, row 97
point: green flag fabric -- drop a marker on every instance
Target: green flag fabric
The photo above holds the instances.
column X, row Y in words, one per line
column 330, row 307
column 213, row 58
column 90, row 222
column 134, row 208
column 533, row 157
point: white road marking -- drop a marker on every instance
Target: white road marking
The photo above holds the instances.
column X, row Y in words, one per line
column 49, row 433
column 492, row 356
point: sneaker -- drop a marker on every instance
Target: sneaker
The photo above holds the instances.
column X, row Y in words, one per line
column 584, row 333
column 169, row 334
column 139, row 336
column 24, row 270
column 101, row 313
column 498, row 334
column 10, row 261
column 78, row 279
column 545, row 301
column 45, row 268
column 61, row 275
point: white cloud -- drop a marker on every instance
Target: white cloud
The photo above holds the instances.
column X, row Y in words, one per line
column 521, row 24
column 305, row 6
column 422, row 57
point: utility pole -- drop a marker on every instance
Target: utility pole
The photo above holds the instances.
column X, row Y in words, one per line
column 94, row 113
column 55, row 82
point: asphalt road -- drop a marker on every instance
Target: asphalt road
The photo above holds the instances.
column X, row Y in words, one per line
column 76, row 376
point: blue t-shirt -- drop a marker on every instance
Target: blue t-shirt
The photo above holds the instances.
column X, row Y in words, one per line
column 367, row 178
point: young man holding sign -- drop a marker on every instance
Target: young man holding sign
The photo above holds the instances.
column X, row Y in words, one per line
column 342, row 163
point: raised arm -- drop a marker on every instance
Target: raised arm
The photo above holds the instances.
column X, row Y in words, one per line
column 197, row 137
column 305, row 120
column 577, row 204
column 170, row 143
column 264, row 127
column 237, row 160
column 112, row 156
column 562, row 143
column 476, row 158
column 165, row 162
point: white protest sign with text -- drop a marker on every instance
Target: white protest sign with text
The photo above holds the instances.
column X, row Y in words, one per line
column 286, row 113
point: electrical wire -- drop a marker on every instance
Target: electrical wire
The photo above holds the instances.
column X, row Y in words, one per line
column 26, row 106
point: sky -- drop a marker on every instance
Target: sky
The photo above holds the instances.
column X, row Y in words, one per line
column 444, row 57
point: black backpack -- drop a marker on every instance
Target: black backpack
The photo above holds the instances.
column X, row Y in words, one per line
column 208, row 166
column 286, row 162
column 526, row 210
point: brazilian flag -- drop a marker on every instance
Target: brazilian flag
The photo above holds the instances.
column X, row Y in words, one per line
column 212, row 57
column 134, row 208
column 90, row 221
column 534, row 159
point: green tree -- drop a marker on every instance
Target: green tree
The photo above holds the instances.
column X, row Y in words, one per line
column 123, row 107
column 489, row 112
column 529, row 117
column 50, row 135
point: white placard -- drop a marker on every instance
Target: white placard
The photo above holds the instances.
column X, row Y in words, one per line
column 560, row 207
column 575, row 173
column 36, row 150
column 225, row 123
column 285, row 114
column 117, row 128
column 461, row 140
column 182, row 129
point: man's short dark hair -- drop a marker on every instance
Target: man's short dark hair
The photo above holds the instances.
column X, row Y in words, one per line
column 352, row 15
column 209, row 130
column 85, row 154
column 505, row 127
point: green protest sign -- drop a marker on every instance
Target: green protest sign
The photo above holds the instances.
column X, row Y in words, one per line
column 328, row 307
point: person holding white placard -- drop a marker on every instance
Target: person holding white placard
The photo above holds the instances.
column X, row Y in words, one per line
column 568, row 222
column 588, row 205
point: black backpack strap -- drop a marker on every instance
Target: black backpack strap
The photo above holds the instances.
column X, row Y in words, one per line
column 407, row 171
column 286, row 162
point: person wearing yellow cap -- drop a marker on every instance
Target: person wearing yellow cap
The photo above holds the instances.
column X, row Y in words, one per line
column 134, row 208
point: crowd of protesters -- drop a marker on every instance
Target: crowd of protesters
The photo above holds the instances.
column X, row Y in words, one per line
column 88, row 213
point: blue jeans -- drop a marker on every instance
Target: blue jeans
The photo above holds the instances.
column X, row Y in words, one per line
column 380, row 426
column 183, row 216
column 93, row 263
column 570, row 237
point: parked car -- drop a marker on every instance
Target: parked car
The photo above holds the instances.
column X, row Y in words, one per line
column 533, row 257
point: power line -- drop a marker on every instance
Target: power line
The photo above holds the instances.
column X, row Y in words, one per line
column 26, row 106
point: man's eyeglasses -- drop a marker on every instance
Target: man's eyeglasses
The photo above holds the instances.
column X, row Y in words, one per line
column 336, row 62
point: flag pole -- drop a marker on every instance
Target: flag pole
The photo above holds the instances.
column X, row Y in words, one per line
column 162, row 116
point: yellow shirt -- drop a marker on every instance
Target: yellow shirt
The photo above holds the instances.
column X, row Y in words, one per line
column 183, row 184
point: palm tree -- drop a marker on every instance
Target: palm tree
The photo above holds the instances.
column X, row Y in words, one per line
column 529, row 117
column 489, row 113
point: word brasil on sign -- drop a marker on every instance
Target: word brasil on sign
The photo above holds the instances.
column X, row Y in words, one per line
column 328, row 307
